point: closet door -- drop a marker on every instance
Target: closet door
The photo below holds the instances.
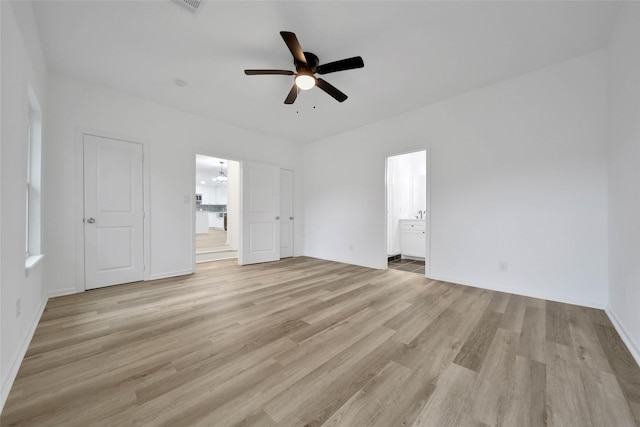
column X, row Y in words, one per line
column 260, row 226
column 113, row 212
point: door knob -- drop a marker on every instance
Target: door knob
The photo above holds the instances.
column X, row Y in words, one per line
column 277, row 217
column 291, row 218
column 91, row 220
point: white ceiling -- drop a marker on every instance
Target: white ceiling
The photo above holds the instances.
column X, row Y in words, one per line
column 415, row 53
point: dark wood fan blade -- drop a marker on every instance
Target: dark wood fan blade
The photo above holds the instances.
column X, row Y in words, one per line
column 294, row 46
column 265, row 72
column 343, row 64
column 331, row 90
column 293, row 94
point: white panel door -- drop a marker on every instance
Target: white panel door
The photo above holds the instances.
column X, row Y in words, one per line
column 260, row 226
column 286, row 213
column 113, row 212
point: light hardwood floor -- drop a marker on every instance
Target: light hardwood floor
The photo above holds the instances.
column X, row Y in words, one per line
column 213, row 239
column 305, row 342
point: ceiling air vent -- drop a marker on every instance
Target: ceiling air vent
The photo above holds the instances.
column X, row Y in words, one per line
column 191, row 6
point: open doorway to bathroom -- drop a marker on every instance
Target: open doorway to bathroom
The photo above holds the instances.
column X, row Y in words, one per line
column 407, row 212
column 217, row 208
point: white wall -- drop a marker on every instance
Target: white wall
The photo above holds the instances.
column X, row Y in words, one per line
column 173, row 138
column 518, row 174
column 22, row 66
column 624, row 176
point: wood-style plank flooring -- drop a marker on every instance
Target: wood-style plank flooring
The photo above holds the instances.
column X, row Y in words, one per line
column 305, row 342
column 213, row 239
column 414, row 266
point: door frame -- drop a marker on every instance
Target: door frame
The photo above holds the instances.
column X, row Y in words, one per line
column 79, row 228
column 219, row 154
column 293, row 210
column 427, row 253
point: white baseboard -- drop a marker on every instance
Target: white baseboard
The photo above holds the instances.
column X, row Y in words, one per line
column 533, row 294
column 62, row 292
column 15, row 364
column 633, row 349
column 170, row 274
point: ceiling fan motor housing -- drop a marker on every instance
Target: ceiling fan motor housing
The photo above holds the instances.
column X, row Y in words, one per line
column 310, row 66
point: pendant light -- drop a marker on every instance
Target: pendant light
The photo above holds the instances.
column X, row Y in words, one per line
column 221, row 178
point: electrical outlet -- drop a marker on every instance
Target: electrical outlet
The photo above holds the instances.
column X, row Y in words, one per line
column 502, row 266
column 18, row 307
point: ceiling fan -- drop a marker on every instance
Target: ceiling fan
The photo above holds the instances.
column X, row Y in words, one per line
column 307, row 65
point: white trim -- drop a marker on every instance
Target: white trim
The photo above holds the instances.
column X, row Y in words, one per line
column 15, row 364
column 31, row 262
column 635, row 351
column 541, row 295
column 427, row 217
column 409, row 257
column 293, row 209
column 62, row 292
column 79, row 209
column 79, row 200
column 146, row 200
column 176, row 273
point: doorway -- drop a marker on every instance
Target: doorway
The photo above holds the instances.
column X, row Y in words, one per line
column 242, row 210
column 407, row 212
column 217, row 201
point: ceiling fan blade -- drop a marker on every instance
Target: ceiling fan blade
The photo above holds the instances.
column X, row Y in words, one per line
column 294, row 46
column 343, row 64
column 331, row 90
column 265, row 72
column 293, row 94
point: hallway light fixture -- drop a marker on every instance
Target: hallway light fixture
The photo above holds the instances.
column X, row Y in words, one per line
column 221, row 178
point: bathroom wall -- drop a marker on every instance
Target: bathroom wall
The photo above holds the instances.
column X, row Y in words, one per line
column 406, row 193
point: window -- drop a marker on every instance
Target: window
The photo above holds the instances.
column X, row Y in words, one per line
column 29, row 143
column 33, row 252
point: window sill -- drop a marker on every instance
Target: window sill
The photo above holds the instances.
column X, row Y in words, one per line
column 31, row 262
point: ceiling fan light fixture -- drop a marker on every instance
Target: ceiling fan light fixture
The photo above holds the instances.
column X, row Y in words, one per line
column 305, row 81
